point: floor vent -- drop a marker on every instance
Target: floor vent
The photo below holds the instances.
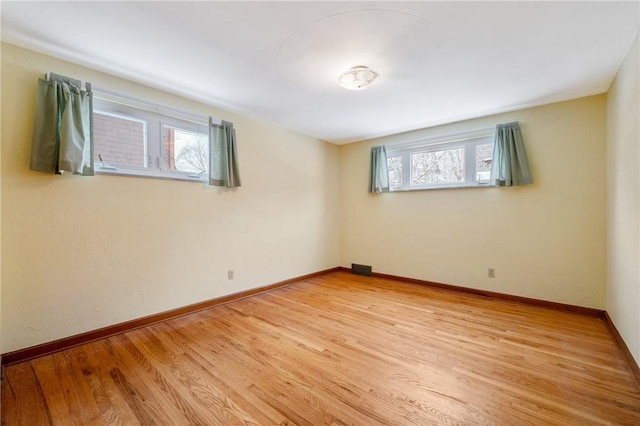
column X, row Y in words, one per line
column 361, row 269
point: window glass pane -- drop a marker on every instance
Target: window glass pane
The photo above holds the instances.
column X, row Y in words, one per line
column 434, row 167
column 484, row 154
column 394, row 165
column 185, row 151
column 119, row 140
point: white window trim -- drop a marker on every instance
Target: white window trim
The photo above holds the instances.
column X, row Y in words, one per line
column 465, row 139
column 141, row 104
column 156, row 116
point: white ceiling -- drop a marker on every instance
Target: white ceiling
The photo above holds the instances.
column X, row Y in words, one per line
column 279, row 61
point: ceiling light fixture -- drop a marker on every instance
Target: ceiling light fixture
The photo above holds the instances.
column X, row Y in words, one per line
column 358, row 78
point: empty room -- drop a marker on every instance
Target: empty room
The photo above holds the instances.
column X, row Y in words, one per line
column 320, row 213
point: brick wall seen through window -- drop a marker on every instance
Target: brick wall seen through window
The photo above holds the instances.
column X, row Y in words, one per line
column 119, row 140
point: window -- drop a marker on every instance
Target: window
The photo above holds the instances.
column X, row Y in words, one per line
column 132, row 138
column 185, row 151
column 120, row 139
column 450, row 162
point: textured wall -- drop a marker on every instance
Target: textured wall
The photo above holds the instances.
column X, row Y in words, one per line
column 545, row 240
column 83, row 253
column 623, row 191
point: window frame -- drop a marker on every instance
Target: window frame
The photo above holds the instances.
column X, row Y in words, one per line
column 155, row 119
column 468, row 141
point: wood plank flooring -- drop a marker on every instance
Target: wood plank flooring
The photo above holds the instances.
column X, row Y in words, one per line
column 338, row 350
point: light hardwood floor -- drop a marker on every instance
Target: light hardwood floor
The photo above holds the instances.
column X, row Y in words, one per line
column 338, row 350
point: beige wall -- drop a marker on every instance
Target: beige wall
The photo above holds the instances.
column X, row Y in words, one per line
column 83, row 253
column 545, row 240
column 0, row 221
column 623, row 190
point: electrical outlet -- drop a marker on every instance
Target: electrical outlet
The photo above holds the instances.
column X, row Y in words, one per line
column 230, row 274
column 491, row 273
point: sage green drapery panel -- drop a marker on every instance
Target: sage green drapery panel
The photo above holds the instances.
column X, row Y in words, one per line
column 378, row 170
column 223, row 157
column 510, row 163
column 62, row 128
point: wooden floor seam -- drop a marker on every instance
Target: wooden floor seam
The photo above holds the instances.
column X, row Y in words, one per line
column 338, row 349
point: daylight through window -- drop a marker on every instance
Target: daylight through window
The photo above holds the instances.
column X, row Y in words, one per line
column 135, row 140
column 449, row 162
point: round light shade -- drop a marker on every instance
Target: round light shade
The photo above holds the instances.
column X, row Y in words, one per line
column 358, row 78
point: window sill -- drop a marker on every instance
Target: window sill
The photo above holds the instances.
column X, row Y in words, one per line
column 430, row 188
column 108, row 170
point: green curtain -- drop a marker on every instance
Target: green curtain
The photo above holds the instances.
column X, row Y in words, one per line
column 510, row 163
column 378, row 170
column 62, row 135
column 223, row 156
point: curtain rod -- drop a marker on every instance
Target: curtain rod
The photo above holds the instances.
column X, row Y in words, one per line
column 50, row 76
column 135, row 102
column 450, row 138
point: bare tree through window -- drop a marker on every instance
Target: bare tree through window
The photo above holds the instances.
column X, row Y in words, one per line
column 455, row 161
column 432, row 167
column 185, row 151
column 394, row 165
column 484, row 154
